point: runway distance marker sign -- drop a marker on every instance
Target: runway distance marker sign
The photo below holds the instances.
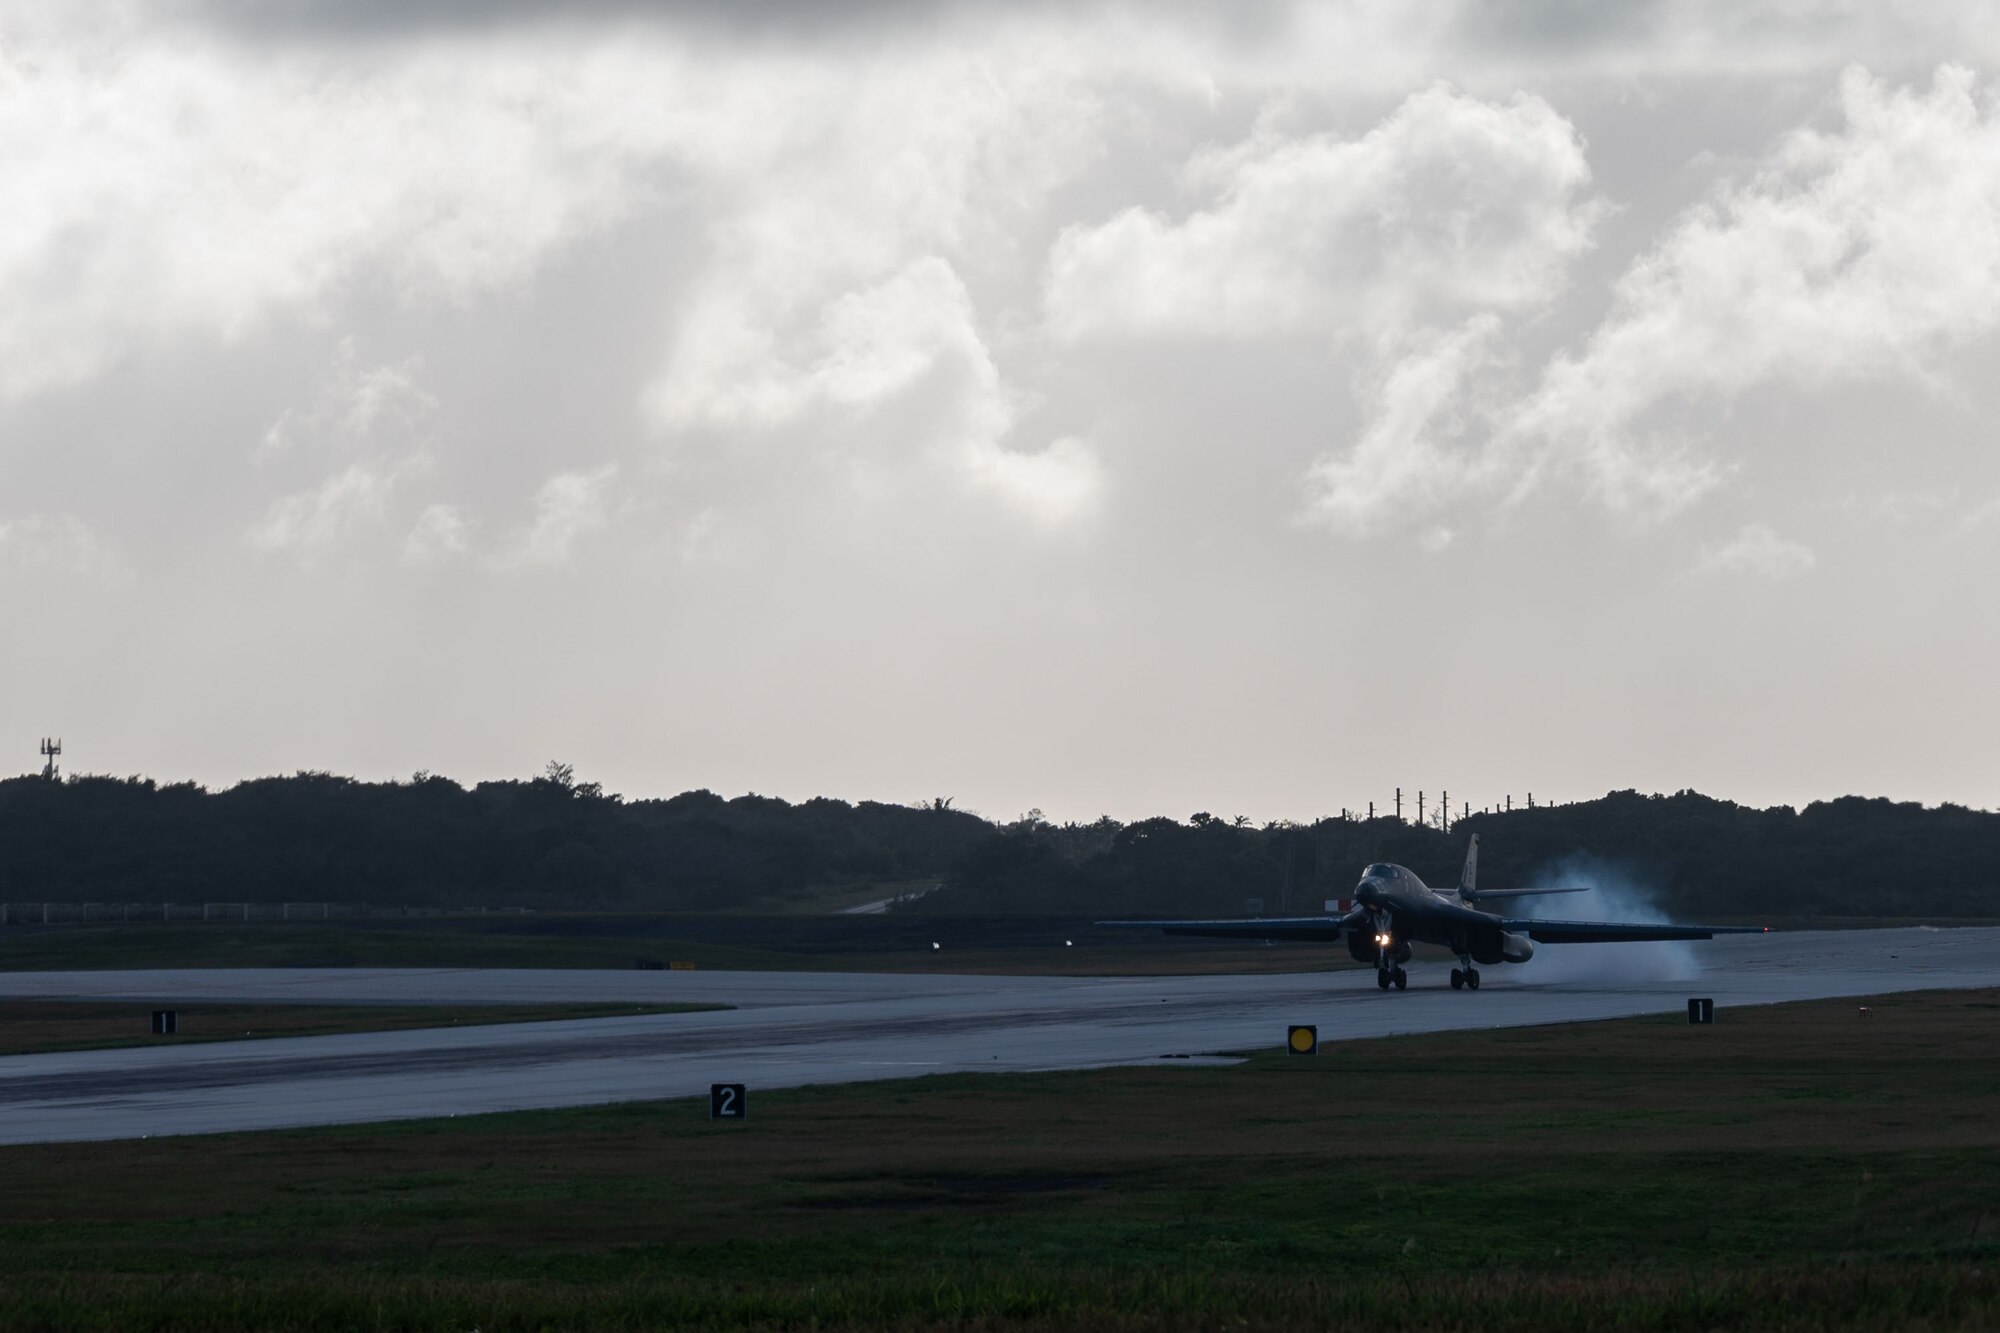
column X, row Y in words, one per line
column 1701, row 1011
column 725, row 1101
column 1302, row 1039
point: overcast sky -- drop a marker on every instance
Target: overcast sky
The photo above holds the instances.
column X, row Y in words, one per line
column 1100, row 408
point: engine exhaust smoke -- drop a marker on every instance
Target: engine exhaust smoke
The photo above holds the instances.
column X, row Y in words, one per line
column 1615, row 896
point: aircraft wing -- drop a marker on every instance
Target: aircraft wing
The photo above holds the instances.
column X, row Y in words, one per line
column 1256, row 928
column 1481, row 895
column 1614, row 932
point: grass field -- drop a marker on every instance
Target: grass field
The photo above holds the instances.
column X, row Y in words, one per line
column 887, row 943
column 1797, row 1167
column 821, row 941
column 30, row 1026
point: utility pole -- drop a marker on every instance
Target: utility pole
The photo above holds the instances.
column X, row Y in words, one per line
column 1371, row 812
column 1399, row 805
column 1444, row 812
column 50, row 749
column 1510, row 803
column 1420, row 807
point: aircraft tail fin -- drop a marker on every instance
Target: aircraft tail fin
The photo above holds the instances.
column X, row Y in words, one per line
column 1468, row 882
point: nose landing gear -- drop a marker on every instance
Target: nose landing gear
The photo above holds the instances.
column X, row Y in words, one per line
column 1390, row 953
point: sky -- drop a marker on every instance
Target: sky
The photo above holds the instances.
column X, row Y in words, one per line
column 1097, row 408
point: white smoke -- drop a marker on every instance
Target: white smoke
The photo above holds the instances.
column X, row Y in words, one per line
column 1614, row 896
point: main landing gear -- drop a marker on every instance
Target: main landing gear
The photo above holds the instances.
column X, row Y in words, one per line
column 1466, row 977
column 1392, row 975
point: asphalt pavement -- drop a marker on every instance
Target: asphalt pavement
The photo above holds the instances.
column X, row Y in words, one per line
column 793, row 1028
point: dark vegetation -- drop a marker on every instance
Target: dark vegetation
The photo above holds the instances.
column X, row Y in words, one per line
column 551, row 842
column 556, row 844
column 1690, row 855
column 1792, row 1167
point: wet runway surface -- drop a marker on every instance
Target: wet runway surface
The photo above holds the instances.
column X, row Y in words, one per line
column 792, row 1028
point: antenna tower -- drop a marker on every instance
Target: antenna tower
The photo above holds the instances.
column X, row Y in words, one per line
column 50, row 749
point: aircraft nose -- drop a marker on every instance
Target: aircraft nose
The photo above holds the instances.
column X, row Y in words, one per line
column 1368, row 891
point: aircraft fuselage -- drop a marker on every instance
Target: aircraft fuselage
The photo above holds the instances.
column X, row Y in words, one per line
column 1401, row 910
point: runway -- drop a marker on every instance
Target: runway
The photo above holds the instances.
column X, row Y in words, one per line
column 795, row 1028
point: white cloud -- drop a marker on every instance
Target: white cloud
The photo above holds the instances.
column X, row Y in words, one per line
column 357, row 407
column 909, row 342
column 1864, row 251
column 1412, row 244
column 1979, row 516
column 58, row 543
column 1063, row 482
column 1450, row 205
column 156, row 189
column 872, row 182
column 569, row 507
column 1759, row 551
column 865, row 346
column 311, row 521
column 1401, row 468
column 381, row 413
column 441, row 532
column 835, row 310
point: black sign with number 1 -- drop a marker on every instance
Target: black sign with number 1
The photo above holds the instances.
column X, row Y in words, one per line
column 725, row 1101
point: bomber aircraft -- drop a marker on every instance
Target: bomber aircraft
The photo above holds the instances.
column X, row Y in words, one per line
column 1392, row 909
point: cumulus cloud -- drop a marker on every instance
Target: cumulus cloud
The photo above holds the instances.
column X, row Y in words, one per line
column 835, row 308
column 1403, row 464
column 441, row 532
column 568, row 507
column 1866, row 250
column 910, row 341
column 1412, row 244
column 312, row 521
column 1759, row 551
column 357, row 407
column 1059, row 483
column 58, row 544
column 865, row 345
column 158, row 189
column 381, row 413
column 836, row 285
column 1450, row 205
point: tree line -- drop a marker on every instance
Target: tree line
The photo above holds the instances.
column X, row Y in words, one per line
column 1688, row 855
column 554, row 843
column 550, row 842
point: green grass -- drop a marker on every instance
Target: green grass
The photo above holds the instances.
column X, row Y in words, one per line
column 1790, row 1167
column 557, row 940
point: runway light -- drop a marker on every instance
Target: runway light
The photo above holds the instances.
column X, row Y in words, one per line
column 1069, row 944
column 934, row 944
